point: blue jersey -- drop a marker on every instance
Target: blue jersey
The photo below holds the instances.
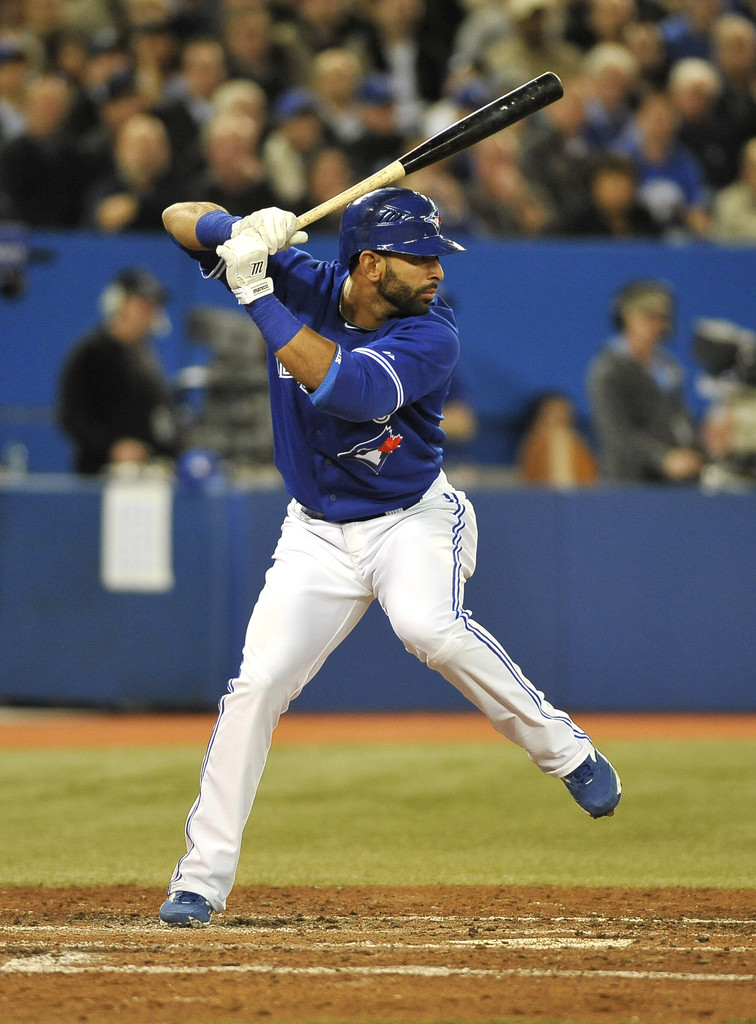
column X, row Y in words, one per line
column 368, row 440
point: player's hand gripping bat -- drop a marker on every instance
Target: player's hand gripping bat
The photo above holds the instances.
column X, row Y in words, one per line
column 501, row 113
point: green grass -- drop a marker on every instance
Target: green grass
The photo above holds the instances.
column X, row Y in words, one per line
column 388, row 815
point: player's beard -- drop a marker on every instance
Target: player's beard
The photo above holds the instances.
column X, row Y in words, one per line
column 407, row 301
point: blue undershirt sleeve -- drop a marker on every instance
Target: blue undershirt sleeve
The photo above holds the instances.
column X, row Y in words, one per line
column 321, row 395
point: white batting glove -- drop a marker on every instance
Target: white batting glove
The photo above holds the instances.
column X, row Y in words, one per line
column 277, row 228
column 246, row 259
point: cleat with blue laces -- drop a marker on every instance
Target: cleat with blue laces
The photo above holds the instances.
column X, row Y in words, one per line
column 595, row 786
column 186, row 909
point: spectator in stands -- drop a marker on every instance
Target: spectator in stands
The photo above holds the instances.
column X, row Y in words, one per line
column 613, row 75
column 735, row 205
column 552, row 450
column 380, row 141
column 70, row 57
column 155, row 52
column 109, row 61
column 335, row 78
column 484, row 24
column 465, row 90
column 735, row 60
column 734, row 38
column 143, row 185
column 534, row 46
column 440, row 23
column 14, row 70
column 687, row 31
column 645, row 42
column 41, row 170
column 298, row 133
column 415, row 60
column 556, row 155
column 257, row 51
column 598, row 21
column 43, row 25
column 242, row 96
column 329, row 173
column 695, row 88
column 113, row 401
column 189, row 107
column 614, row 209
column 114, row 102
column 316, row 25
column 93, row 18
column 503, row 201
column 644, row 428
column 233, row 174
column 671, row 181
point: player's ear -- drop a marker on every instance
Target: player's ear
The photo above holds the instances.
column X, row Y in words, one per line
column 372, row 264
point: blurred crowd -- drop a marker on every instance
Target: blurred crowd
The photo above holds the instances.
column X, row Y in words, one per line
column 110, row 111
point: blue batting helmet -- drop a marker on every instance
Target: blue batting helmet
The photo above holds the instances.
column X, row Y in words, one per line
column 393, row 220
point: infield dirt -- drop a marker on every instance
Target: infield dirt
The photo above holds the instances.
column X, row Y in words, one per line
column 355, row 955
column 383, row 955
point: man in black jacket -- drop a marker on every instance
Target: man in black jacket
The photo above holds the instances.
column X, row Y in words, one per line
column 113, row 400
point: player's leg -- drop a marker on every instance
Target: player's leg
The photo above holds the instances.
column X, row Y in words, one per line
column 421, row 564
column 311, row 600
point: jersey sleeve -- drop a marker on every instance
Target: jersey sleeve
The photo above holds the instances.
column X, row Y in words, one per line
column 398, row 368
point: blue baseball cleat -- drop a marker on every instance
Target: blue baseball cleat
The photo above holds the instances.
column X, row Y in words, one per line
column 595, row 785
column 186, row 909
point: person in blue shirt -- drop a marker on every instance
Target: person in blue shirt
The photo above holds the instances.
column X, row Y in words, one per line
column 671, row 183
column 361, row 352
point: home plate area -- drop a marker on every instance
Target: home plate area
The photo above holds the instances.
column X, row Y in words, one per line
column 360, row 954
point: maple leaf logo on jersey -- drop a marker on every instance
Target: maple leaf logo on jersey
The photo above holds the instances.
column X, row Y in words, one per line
column 373, row 453
column 391, row 443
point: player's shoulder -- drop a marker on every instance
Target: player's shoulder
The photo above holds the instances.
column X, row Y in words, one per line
column 442, row 316
column 431, row 338
column 438, row 326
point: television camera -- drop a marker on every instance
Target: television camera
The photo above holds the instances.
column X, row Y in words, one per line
column 727, row 353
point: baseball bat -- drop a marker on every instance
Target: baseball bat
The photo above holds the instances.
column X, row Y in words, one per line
column 501, row 113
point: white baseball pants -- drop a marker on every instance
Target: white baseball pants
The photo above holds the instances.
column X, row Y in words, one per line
column 323, row 578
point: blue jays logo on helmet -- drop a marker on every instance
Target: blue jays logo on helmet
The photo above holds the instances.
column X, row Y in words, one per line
column 393, row 220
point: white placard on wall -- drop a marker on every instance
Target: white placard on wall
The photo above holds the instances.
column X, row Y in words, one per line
column 136, row 538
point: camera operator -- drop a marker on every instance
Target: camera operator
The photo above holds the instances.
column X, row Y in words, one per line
column 644, row 429
column 113, row 400
column 727, row 352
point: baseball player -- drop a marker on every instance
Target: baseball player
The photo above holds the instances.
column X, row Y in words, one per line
column 360, row 354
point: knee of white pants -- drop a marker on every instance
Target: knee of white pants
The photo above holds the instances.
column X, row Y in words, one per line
column 445, row 653
column 433, row 646
column 261, row 687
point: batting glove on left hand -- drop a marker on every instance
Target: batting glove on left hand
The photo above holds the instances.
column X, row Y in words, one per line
column 276, row 228
column 246, row 259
